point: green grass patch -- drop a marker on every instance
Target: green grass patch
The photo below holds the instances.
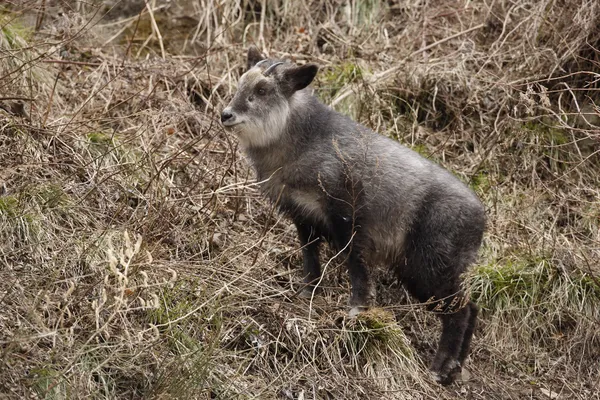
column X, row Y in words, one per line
column 194, row 335
column 371, row 333
column 43, row 382
column 526, row 284
column 486, row 182
column 13, row 33
column 480, row 182
column 9, row 206
column 194, row 328
column 547, row 134
column 422, row 150
column 554, row 145
column 537, row 297
column 337, row 77
column 22, row 226
column 335, row 80
column 52, row 196
column 99, row 138
column 114, row 150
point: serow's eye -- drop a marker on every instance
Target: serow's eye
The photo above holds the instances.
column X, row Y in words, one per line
column 250, row 99
column 261, row 92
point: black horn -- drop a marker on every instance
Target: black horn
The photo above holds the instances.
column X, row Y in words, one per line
column 271, row 68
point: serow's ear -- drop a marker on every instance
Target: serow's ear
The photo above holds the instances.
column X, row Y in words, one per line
column 254, row 56
column 300, row 77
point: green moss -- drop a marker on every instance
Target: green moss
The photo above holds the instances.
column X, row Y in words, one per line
column 480, row 181
column 99, row 138
column 422, row 150
column 548, row 135
column 9, row 206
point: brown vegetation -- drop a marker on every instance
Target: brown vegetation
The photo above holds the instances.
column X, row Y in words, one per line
column 138, row 260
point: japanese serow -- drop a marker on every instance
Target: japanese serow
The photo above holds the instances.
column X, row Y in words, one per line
column 376, row 201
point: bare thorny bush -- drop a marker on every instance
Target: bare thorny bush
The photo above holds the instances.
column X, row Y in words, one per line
column 138, row 260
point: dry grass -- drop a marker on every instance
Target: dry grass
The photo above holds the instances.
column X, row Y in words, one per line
column 138, row 259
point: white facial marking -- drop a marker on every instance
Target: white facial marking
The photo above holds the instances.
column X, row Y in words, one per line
column 260, row 133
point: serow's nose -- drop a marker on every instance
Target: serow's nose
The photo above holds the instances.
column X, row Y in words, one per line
column 225, row 115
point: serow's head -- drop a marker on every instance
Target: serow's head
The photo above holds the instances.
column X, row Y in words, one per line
column 259, row 110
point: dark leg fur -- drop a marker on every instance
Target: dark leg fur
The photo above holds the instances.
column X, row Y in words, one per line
column 457, row 324
column 471, row 323
column 457, row 332
column 310, row 241
column 345, row 234
column 447, row 364
column 362, row 295
column 436, row 253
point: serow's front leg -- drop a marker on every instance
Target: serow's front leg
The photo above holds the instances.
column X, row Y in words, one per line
column 309, row 240
column 363, row 291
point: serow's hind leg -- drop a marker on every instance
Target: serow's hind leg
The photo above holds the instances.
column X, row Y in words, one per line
column 454, row 343
column 471, row 324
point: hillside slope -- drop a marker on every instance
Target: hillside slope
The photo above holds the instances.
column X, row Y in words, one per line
column 138, row 259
